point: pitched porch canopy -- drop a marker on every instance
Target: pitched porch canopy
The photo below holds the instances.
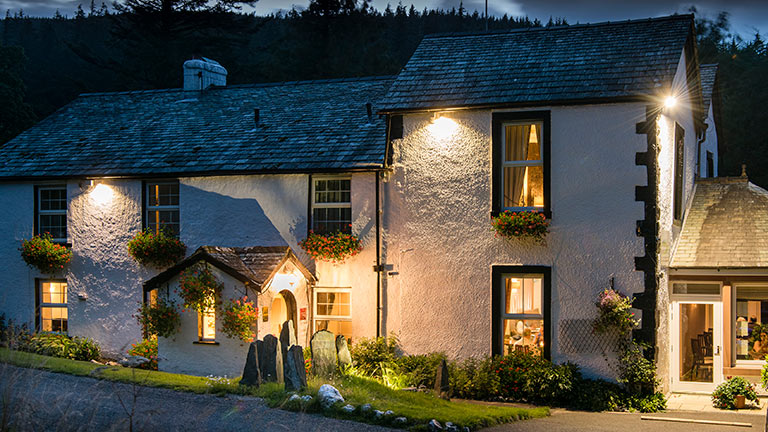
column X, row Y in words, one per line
column 254, row 266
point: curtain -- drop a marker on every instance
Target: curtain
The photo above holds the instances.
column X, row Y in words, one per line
column 517, row 149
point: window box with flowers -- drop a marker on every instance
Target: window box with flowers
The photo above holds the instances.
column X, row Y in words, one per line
column 238, row 319
column 335, row 247
column 157, row 249
column 521, row 224
column 41, row 252
column 159, row 319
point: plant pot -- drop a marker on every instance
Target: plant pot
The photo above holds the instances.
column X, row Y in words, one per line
column 739, row 401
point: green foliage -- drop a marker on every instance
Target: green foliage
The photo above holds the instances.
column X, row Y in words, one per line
column 474, row 378
column 199, row 289
column 614, row 312
column 420, row 369
column 156, row 249
column 147, row 348
column 335, row 247
column 645, row 403
column 597, row 395
column 159, row 319
column 13, row 335
column 724, row 395
column 61, row 345
column 369, row 354
column 531, row 224
column 636, row 372
column 238, row 319
column 41, row 252
column 528, row 377
column 15, row 114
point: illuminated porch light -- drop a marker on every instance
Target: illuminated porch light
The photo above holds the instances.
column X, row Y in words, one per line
column 102, row 194
column 442, row 126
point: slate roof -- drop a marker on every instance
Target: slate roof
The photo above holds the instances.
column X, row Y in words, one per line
column 708, row 74
column 254, row 265
column 541, row 65
column 726, row 226
column 304, row 126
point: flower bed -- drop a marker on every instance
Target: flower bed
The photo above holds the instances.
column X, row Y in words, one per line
column 41, row 252
column 522, row 224
column 147, row 348
column 156, row 249
column 159, row 319
column 239, row 317
column 335, row 247
column 199, row 289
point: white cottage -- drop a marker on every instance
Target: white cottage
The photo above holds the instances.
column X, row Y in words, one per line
column 603, row 128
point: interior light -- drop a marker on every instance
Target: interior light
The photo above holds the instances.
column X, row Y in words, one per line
column 670, row 102
column 102, row 194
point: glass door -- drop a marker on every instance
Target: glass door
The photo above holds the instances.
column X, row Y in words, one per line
column 696, row 345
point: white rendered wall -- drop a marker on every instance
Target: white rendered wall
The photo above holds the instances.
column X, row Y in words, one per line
column 17, row 283
column 710, row 144
column 439, row 239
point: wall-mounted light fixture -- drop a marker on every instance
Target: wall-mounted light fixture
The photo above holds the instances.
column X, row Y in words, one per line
column 670, row 102
column 101, row 193
column 442, row 126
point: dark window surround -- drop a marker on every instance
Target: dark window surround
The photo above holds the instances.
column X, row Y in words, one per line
column 36, row 221
column 498, row 119
column 39, row 298
column 496, row 303
column 679, row 173
column 144, row 199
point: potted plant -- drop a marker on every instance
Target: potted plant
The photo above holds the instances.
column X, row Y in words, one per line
column 160, row 319
column 614, row 312
column 157, row 249
column 335, row 247
column 41, row 252
column 522, row 224
column 734, row 393
column 238, row 319
column 199, row 289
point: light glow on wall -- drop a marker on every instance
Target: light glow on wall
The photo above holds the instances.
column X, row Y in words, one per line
column 670, row 102
column 442, row 127
column 284, row 281
column 102, row 194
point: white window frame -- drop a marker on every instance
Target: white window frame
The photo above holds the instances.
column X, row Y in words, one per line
column 317, row 205
column 527, row 163
column 42, row 304
column 203, row 318
column 316, row 317
column 158, row 208
column 41, row 212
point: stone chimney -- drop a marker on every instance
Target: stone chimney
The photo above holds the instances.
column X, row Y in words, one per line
column 199, row 74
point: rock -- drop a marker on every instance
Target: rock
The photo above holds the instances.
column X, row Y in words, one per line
column 400, row 420
column 323, row 354
column 348, row 408
column 441, row 380
column 287, row 340
column 378, row 414
column 270, row 359
column 409, row 389
column 329, row 396
column 450, row 427
column 389, row 413
column 342, row 351
column 294, row 397
column 133, row 361
column 434, row 426
column 365, row 408
column 251, row 372
column 306, row 398
column 295, row 374
column 466, row 429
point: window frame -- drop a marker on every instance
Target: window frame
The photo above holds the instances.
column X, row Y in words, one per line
column 499, row 120
column 313, row 205
column 497, row 304
column 39, row 212
column 39, row 304
column 201, row 325
column 731, row 327
column 145, row 202
column 316, row 317
column 678, row 172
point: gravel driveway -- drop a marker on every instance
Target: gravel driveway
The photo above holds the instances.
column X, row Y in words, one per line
column 33, row 400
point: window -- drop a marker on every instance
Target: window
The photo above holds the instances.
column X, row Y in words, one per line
column 751, row 322
column 332, row 310
column 162, row 204
column 331, row 208
column 679, row 171
column 206, row 325
column 521, row 161
column 710, row 164
column 521, row 296
column 52, row 305
column 51, row 207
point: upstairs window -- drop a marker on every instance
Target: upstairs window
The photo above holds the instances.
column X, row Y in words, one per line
column 51, row 214
column 521, row 161
column 162, row 204
column 331, row 206
column 679, row 172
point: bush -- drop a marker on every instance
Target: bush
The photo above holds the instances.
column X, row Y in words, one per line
column 369, row 354
column 529, row 377
column 420, row 370
column 649, row 403
column 159, row 319
column 474, row 378
column 521, row 224
column 147, row 348
column 41, row 252
column 335, row 247
column 156, row 249
column 61, row 345
column 724, row 395
column 14, row 336
column 596, row 395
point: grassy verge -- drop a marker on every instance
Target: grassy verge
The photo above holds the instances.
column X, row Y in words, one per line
column 418, row 408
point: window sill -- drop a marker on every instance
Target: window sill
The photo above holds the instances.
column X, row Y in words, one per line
column 204, row 342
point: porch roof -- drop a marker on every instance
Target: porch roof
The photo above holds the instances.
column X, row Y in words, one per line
column 726, row 226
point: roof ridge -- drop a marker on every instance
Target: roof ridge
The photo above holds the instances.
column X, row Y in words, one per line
column 558, row 27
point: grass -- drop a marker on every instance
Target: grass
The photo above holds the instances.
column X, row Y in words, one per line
column 417, row 407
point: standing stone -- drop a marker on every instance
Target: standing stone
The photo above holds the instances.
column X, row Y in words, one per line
column 287, row 340
column 323, row 347
column 269, row 359
column 251, row 372
column 295, row 374
column 441, row 380
column 342, row 351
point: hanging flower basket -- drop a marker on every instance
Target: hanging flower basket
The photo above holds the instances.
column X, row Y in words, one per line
column 41, row 252
column 614, row 312
column 335, row 247
column 239, row 317
column 199, row 289
column 156, row 249
column 160, row 319
column 522, row 224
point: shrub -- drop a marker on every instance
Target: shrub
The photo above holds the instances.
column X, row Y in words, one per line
column 474, row 378
column 648, row 403
column 146, row 348
column 614, row 312
column 156, row 249
column 335, row 247
column 520, row 224
column 420, row 370
column 724, row 395
column 636, row 372
column 596, row 395
column 369, row 354
column 307, row 351
column 529, row 377
column 61, row 345
column 239, row 317
column 199, row 289
column 12, row 335
column 41, row 252
column 160, row 319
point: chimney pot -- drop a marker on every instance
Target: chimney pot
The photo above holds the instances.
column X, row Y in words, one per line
column 199, row 74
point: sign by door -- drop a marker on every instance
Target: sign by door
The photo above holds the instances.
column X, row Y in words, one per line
column 303, row 314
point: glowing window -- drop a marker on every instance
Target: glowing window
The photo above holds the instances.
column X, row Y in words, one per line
column 207, row 325
column 53, row 306
column 523, row 166
column 163, row 207
column 331, row 205
column 333, row 310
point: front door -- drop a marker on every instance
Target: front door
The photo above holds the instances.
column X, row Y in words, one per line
column 697, row 345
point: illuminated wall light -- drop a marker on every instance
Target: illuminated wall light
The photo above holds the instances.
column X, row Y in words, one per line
column 442, row 126
column 670, row 102
column 102, row 194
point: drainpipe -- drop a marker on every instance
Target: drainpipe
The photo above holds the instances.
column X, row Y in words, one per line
column 378, row 258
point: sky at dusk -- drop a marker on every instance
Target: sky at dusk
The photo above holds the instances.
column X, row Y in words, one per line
column 747, row 16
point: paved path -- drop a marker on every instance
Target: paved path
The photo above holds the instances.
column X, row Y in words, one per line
column 32, row 400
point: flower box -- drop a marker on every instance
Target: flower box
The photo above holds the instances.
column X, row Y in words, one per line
column 335, row 247
column 41, row 252
column 522, row 224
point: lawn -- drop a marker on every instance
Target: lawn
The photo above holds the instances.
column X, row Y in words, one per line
column 418, row 407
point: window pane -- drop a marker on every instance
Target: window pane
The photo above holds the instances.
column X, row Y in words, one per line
column 751, row 316
column 696, row 342
column 524, row 186
column 523, row 294
column 208, row 325
column 55, row 224
column 332, row 191
column 53, row 199
column 333, row 304
column 696, row 288
column 336, row 327
column 514, row 295
column 523, row 335
column 522, row 142
column 329, row 220
column 166, row 220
